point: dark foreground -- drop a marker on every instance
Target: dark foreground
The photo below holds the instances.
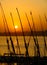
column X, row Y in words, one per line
column 24, row 60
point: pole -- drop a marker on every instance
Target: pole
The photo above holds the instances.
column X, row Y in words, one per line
column 7, row 28
column 45, row 46
column 26, row 46
column 15, row 32
column 36, row 42
column 5, row 32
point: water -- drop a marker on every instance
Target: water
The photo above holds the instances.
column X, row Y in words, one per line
column 4, row 48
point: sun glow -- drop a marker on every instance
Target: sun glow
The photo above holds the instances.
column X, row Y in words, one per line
column 16, row 26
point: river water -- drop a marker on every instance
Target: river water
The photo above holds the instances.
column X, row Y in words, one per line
column 31, row 47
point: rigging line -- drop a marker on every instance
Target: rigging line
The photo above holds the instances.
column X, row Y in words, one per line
column 43, row 34
column 5, row 32
column 6, row 38
column 45, row 17
column 37, row 45
column 7, row 28
column 31, row 30
column 46, row 21
column 15, row 32
column 27, row 54
column 30, row 35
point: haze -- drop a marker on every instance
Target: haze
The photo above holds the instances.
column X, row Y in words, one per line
column 37, row 7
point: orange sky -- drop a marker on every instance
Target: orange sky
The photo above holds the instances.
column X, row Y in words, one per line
column 38, row 7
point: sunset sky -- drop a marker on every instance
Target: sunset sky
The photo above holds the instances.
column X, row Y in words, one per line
column 37, row 7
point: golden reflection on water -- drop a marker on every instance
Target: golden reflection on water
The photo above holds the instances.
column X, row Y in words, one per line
column 4, row 49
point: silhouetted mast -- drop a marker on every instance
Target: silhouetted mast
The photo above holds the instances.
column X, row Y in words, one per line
column 26, row 46
column 5, row 31
column 43, row 35
column 6, row 37
column 31, row 31
column 7, row 28
column 35, row 39
column 45, row 17
column 15, row 32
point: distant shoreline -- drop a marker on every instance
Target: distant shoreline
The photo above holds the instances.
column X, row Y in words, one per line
column 39, row 33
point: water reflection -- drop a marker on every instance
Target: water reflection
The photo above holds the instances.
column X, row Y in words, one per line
column 4, row 49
